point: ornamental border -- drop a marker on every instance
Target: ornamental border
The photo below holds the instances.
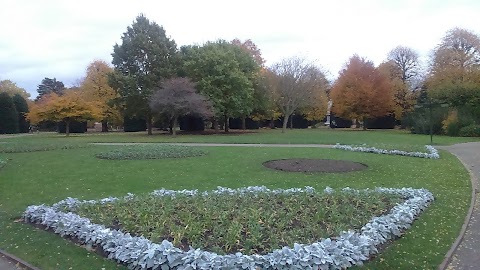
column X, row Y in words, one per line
column 348, row 249
column 431, row 151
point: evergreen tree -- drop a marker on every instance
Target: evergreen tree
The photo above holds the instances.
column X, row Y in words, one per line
column 22, row 107
column 8, row 115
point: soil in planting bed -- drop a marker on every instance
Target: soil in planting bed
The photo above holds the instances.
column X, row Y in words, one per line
column 314, row 165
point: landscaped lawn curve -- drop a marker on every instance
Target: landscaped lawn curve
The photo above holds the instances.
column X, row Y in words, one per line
column 50, row 176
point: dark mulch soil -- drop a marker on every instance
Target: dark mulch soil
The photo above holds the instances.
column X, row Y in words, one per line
column 314, row 165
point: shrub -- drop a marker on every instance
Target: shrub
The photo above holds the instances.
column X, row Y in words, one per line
column 470, row 131
column 8, row 115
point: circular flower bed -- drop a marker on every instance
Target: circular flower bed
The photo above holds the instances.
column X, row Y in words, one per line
column 314, row 165
column 153, row 151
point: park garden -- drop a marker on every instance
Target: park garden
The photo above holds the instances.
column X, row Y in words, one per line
column 169, row 190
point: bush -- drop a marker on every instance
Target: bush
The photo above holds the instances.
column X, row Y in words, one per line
column 75, row 127
column 470, row 131
column 22, row 107
column 133, row 124
column 8, row 115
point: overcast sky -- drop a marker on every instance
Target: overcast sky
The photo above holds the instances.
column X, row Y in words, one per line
column 59, row 39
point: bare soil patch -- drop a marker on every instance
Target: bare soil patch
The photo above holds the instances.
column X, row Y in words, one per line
column 315, row 165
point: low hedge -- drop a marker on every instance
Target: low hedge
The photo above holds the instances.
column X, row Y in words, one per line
column 470, row 131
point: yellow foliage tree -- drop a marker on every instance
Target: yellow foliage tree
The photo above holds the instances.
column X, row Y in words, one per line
column 95, row 88
column 67, row 108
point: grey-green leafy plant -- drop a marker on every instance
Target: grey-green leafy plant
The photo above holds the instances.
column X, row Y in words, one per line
column 150, row 151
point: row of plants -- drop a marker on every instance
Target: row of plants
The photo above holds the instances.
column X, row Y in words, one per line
column 37, row 145
column 150, row 151
column 431, row 151
column 137, row 252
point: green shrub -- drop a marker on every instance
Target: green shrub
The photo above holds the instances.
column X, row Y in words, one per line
column 470, row 131
column 151, row 151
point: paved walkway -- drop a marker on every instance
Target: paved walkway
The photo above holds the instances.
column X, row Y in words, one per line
column 8, row 262
column 467, row 254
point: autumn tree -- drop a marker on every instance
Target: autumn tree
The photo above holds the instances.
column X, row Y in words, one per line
column 67, row 108
column 250, row 47
column 49, row 86
column 295, row 83
column 404, row 97
column 223, row 73
column 178, row 97
column 11, row 88
column 361, row 91
column 8, row 115
column 145, row 57
column 455, row 69
column 406, row 62
column 95, row 87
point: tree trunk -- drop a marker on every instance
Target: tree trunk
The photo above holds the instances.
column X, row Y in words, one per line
column 104, row 126
column 272, row 123
column 226, row 123
column 174, row 126
column 291, row 121
column 244, row 124
column 364, row 123
column 149, row 123
column 67, row 127
column 285, row 122
column 215, row 125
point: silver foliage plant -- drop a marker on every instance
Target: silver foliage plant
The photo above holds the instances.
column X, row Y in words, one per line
column 431, row 151
column 348, row 249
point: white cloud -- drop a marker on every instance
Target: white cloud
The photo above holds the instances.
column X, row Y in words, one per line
column 55, row 38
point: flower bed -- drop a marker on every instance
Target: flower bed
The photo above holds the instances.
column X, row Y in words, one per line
column 431, row 151
column 139, row 152
column 349, row 248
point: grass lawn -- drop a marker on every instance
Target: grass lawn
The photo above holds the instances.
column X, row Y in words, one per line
column 50, row 176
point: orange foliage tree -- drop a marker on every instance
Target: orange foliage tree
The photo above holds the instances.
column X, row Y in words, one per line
column 67, row 108
column 95, row 88
column 361, row 91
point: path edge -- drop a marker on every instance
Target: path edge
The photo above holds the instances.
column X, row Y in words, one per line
column 453, row 248
column 17, row 260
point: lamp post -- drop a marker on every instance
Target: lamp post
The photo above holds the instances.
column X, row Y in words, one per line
column 430, row 104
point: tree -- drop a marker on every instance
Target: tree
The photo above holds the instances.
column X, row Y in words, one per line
column 67, row 108
column 21, row 107
column 177, row 97
column 295, row 84
column 403, row 96
column 224, row 73
column 95, row 87
column 11, row 88
column 361, row 91
column 252, row 49
column 50, row 86
column 407, row 63
column 8, row 115
column 145, row 57
column 455, row 69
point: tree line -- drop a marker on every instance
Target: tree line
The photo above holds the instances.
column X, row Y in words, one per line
column 152, row 79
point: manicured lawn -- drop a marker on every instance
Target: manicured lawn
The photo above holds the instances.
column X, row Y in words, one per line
column 50, row 176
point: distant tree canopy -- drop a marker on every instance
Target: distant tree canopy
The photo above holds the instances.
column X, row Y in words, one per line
column 145, row 58
column 49, row 86
column 225, row 74
column 362, row 91
column 11, row 88
column 8, row 115
column 66, row 108
column 177, row 97
column 296, row 84
column 95, row 87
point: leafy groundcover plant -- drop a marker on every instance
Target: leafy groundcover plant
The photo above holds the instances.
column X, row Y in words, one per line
column 431, row 151
column 26, row 147
column 2, row 163
column 158, row 151
column 137, row 252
